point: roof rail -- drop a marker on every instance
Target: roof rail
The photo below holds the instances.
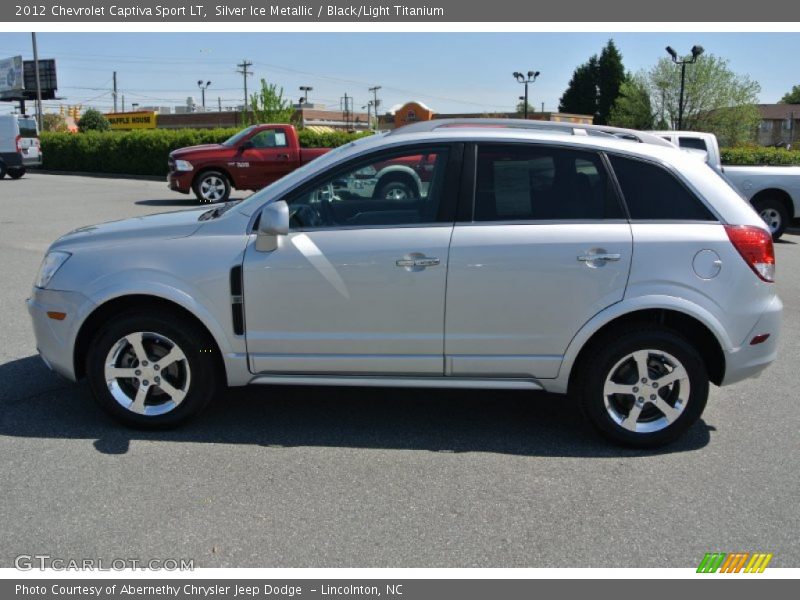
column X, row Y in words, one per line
column 533, row 125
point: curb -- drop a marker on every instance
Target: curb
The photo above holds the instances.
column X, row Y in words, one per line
column 101, row 175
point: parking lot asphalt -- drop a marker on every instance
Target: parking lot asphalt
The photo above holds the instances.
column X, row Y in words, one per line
column 338, row 477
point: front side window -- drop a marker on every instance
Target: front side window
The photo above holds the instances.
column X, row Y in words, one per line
column 269, row 138
column 521, row 183
column 400, row 189
column 652, row 192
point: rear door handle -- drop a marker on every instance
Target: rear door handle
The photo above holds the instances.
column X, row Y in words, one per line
column 421, row 261
column 597, row 257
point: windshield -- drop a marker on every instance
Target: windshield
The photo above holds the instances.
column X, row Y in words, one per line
column 235, row 139
column 27, row 128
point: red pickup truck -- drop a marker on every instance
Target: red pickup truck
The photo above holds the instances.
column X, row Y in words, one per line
column 250, row 160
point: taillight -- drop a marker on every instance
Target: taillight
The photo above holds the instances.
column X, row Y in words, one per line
column 19, row 143
column 755, row 246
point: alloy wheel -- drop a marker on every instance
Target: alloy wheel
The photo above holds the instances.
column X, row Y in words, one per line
column 646, row 391
column 147, row 373
column 212, row 188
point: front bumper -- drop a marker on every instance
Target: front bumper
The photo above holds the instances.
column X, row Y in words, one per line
column 55, row 340
column 748, row 360
column 180, row 181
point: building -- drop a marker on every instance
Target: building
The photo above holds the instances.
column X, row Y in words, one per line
column 780, row 124
column 305, row 117
column 412, row 112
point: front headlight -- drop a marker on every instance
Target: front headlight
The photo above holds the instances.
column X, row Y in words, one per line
column 183, row 165
column 51, row 263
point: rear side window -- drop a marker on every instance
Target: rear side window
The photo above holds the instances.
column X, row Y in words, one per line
column 652, row 192
column 27, row 128
column 530, row 183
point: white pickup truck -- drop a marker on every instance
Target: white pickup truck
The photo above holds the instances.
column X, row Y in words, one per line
column 773, row 191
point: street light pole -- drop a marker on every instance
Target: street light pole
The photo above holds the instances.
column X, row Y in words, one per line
column 305, row 89
column 532, row 75
column 696, row 52
column 203, row 92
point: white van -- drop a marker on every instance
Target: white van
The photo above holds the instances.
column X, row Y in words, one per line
column 19, row 145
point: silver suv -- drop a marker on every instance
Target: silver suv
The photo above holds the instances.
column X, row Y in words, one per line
column 509, row 255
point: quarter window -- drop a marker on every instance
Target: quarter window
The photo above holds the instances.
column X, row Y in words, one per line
column 652, row 192
column 522, row 183
column 402, row 189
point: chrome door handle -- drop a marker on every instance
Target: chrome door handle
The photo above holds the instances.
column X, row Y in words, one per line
column 421, row 261
column 596, row 257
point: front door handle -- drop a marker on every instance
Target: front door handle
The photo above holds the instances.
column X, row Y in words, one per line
column 283, row 156
column 417, row 262
column 605, row 257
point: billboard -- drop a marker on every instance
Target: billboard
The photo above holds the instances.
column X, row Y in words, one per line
column 11, row 78
column 143, row 119
column 47, row 76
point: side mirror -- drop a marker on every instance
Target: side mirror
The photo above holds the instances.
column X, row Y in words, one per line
column 274, row 222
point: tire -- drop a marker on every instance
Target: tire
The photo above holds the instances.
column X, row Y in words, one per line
column 774, row 214
column 211, row 187
column 189, row 381
column 396, row 190
column 16, row 173
column 663, row 412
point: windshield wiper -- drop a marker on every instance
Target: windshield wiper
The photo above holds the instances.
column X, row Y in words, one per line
column 217, row 211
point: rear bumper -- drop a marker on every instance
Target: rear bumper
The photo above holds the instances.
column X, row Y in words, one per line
column 180, row 181
column 749, row 360
column 55, row 340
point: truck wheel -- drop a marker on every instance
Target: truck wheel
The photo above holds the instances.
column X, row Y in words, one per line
column 212, row 186
column 774, row 214
column 152, row 371
column 396, row 190
column 16, row 173
column 642, row 386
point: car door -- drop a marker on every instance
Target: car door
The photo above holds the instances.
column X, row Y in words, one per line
column 358, row 285
column 546, row 248
column 268, row 157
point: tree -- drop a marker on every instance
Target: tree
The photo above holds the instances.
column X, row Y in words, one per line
column 580, row 96
column 595, row 85
column 632, row 107
column 93, row 120
column 610, row 77
column 716, row 99
column 792, row 97
column 521, row 108
column 269, row 106
column 53, row 122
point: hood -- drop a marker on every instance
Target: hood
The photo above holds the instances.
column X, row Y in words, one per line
column 182, row 223
column 181, row 152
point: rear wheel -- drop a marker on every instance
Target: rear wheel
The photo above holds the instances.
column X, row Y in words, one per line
column 774, row 214
column 212, row 186
column 16, row 173
column 642, row 387
column 396, row 190
column 152, row 371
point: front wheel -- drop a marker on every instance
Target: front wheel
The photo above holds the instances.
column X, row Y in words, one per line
column 774, row 214
column 152, row 371
column 642, row 387
column 212, row 186
column 16, row 173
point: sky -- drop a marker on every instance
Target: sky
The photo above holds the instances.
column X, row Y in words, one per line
column 450, row 72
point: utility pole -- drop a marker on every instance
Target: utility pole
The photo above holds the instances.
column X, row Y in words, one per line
column 114, row 93
column 38, row 83
column 375, row 102
column 369, row 113
column 219, row 103
column 243, row 69
column 347, row 102
column 123, row 102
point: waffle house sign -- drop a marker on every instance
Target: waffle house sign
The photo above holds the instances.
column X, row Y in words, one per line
column 132, row 120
